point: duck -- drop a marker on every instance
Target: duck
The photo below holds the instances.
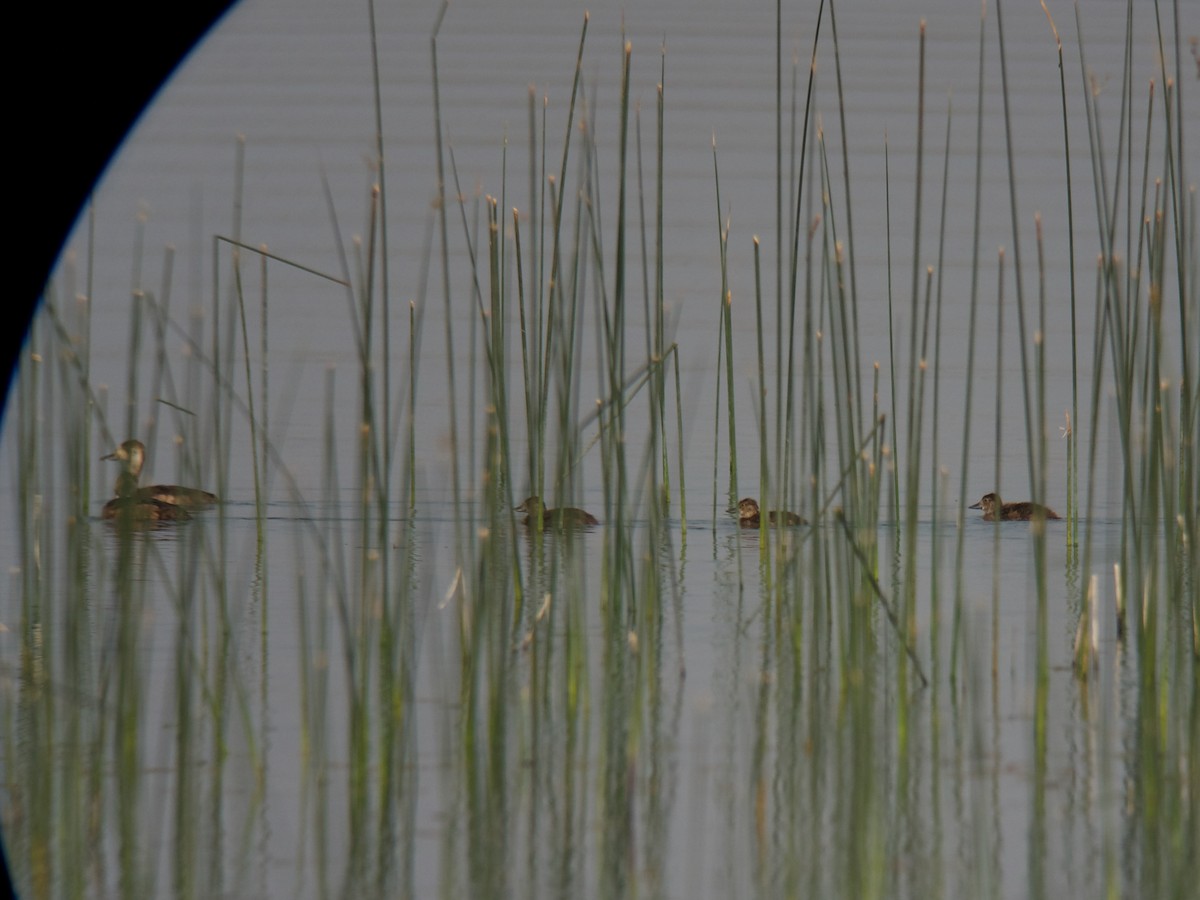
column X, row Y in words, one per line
column 128, row 506
column 563, row 517
column 1011, row 512
column 132, row 454
column 750, row 517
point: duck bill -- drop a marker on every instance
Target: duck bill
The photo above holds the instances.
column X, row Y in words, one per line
column 975, row 506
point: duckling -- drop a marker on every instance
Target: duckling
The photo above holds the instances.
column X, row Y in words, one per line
column 129, row 506
column 749, row 515
column 132, row 454
column 1011, row 512
column 563, row 517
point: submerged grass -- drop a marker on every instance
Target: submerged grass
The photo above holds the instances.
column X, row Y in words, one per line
column 549, row 757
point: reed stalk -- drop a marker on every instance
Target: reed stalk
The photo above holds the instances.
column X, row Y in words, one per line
column 956, row 631
column 935, row 604
column 724, row 350
column 443, row 225
column 998, row 434
column 764, row 490
column 1072, row 446
column 887, row 218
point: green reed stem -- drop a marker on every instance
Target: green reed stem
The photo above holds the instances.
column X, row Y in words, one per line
column 259, row 501
column 935, row 464
column 660, row 337
column 852, row 363
column 1010, row 159
column 451, row 405
column 763, row 439
column 674, row 351
column 263, row 379
column 794, row 264
column 997, row 444
column 385, row 294
column 725, row 331
column 553, row 326
column 887, row 218
column 1072, row 444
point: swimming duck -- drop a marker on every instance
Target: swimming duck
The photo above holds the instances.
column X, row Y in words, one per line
column 749, row 515
column 1011, row 512
column 128, row 506
column 563, row 517
column 132, row 454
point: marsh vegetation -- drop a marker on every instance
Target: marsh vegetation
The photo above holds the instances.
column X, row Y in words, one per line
column 384, row 681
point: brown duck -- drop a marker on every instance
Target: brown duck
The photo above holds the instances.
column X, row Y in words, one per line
column 149, row 503
column 1023, row 511
column 129, row 506
column 750, row 517
column 563, row 517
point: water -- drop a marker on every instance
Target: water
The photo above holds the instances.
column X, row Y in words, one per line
column 726, row 754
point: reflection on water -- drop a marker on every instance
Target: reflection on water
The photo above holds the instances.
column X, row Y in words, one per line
column 362, row 674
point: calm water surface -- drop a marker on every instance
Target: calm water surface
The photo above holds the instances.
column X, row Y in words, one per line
column 746, row 773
